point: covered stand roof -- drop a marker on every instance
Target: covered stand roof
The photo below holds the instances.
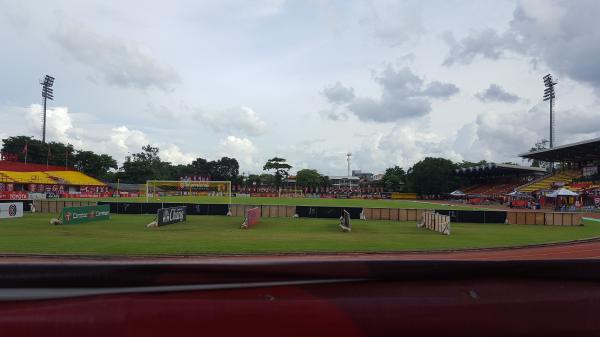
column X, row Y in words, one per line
column 499, row 169
column 587, row 150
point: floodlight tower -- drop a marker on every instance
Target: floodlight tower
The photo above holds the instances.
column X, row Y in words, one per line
column 549, row 95
column 47, row 94
column 348, row 159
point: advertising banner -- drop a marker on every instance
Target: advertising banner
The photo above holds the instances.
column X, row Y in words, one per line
column 37, row 196
column 171, row 215
column 252, row 216
column 11, row 210
column 52, row 195
column 14, row 195
column 71, row 215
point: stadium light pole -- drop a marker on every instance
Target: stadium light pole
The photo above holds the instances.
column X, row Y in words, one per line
column 549, row 95
column 47, row 94
column 349, row 155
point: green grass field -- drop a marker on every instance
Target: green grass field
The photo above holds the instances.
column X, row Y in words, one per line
column 293, row 202
column 127, row 234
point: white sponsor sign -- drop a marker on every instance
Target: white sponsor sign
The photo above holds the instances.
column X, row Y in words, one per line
column 37, row 196
column 11, row 210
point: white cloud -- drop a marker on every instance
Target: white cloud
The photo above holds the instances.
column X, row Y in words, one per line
column 563, row 34
column 404, row 96
column 338, row 94
column 174, row 155
column 239, row 120
column 122, row 63
column 58, row 122
column 495, row 93
column 243, row 150
column 126, row 140
column 394, row 22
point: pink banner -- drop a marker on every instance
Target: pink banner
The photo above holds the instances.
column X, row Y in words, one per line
column 252, row 216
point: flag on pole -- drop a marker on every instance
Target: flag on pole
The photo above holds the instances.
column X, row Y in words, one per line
column 25, row 152
column 48, row 156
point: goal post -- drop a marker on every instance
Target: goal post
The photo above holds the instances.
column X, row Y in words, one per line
column 183, row 190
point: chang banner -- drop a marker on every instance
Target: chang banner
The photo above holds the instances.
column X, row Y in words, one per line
column 167, row 216
column 81, row 214
column 11, row 210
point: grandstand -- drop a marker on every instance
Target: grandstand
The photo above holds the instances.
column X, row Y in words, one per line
column 579, row 162
column 546, row 183
column 494, row 180
column 74, row 178
column 27, row 177
column 36, row 178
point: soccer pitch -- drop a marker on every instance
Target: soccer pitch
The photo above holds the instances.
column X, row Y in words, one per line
column 371, row 203
column 127, row 235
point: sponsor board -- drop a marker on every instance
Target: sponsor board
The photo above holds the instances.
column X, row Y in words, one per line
column 11, row 210
column 171, row 215
column 14, row 195
column 70, row 215
column 405, row 196
column 253, row 216
column 52, row 195
column 37, row 196
column 385, row 195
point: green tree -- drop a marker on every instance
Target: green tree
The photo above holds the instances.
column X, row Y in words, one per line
column 52, row 153
column 252, row 180
column 201, row 167
column 93, row 164
column 325, row 181
column 145, row 165
column 432, row 176
column 267, row 179
column 308, row 178
column 225, row 169
column 540, row 145
column 465, row 163
column 394, row 179
column 280, row 167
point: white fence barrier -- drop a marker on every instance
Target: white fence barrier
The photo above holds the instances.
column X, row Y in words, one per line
column 435, row 222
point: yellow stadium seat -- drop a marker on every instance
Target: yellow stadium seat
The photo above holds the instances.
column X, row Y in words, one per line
column 74, row 178
column 546, row 183
column 28, row 177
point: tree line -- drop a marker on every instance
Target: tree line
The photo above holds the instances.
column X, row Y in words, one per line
column 426, row 177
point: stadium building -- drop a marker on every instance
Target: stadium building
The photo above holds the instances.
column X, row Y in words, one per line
column 576, row 168
column 493, row 181
column 20, row 181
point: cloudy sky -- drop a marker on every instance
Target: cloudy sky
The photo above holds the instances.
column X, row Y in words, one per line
column 389, row 81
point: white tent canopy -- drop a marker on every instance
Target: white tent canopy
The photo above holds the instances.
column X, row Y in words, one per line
column 562, row 192
column 458, row 193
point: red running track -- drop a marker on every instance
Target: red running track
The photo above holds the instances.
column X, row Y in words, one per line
column 562, row 251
